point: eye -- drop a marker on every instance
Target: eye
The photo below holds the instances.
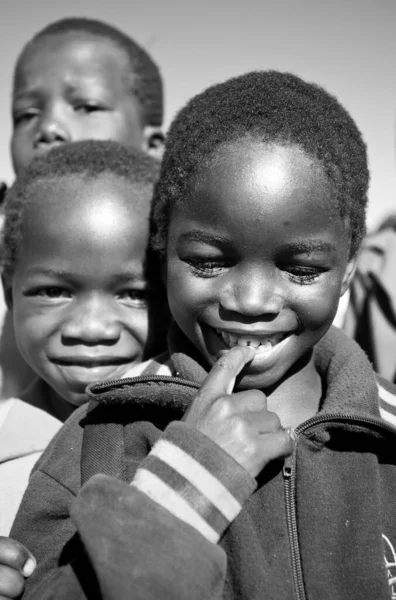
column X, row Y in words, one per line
column 303, row 274
column 88, row 107
column 137, row 298
column 23, row 116
column 51, row 292
column 207, row 267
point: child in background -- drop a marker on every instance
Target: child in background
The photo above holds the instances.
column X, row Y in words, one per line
column 81, row 79
column 78, row 79
column 259, row 215
column 79, row 286
column 369, row 317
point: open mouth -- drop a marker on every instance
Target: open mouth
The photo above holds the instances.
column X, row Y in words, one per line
column 262, row 343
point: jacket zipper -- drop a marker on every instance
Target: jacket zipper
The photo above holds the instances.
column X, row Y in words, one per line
column 100, row 388
column 291, row 517
column 289, row 471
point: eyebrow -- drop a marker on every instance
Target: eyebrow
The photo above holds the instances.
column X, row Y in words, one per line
column 203, row 238
column 308, row 246
column 299, row 247
column 26, row 94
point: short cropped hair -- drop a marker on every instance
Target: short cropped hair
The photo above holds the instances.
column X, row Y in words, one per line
column 148, row 86
column 271, row 107
column 87, row 159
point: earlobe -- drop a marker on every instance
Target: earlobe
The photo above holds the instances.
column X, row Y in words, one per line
column 153, row 141
column 349, row 274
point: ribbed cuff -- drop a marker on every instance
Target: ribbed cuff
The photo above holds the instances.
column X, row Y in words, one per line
column 195, row 480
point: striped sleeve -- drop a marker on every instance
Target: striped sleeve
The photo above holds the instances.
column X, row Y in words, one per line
column 387, row 400
column 195, row 480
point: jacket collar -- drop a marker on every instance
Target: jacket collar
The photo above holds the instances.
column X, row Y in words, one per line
column 349, row 381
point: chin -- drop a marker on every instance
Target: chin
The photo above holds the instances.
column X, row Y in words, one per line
column 74, row 401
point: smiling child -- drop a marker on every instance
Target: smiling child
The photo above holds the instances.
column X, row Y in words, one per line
column 254, row 458
column 76, row 280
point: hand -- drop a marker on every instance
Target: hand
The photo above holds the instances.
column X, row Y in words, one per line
column 239, row 423
column 16, row 563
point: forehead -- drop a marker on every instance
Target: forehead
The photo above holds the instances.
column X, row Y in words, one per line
column 77, row 209
column 252, row 190
column 72, row 57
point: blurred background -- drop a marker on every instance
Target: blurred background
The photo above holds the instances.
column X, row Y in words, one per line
column 348, row 46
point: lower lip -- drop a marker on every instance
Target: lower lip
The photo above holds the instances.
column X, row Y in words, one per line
column 78, row 376
column 263, row 359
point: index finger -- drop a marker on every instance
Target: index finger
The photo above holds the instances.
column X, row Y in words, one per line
column 15, row 555
column 221, row 379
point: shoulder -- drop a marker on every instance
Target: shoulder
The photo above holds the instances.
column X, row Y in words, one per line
column 61, row 460
column 25, row 429
column 387, row 399
column 28, row 414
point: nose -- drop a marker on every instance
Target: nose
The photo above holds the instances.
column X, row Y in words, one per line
column 52, row 128
column 92, row 323
column 253, row 294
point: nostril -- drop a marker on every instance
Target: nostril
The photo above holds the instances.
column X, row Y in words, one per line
column 49, row 139
column 90, row 332
column 50, row 131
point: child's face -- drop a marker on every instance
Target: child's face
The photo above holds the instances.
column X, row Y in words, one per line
column 258, row 254
column 70, row 89
column 79, row 294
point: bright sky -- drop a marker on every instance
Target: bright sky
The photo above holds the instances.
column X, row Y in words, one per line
column 348, row 46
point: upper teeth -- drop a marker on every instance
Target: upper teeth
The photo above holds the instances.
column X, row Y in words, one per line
column 230, row 339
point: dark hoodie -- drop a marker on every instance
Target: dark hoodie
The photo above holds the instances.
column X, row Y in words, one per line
column 193, row 524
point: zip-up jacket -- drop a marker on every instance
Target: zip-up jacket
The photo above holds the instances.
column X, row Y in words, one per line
column 129, row 502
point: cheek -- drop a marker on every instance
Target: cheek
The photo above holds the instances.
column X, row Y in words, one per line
column 140, row 327
column 20, row 153
column 318, row 308
column 32, row 324
column 184, row 291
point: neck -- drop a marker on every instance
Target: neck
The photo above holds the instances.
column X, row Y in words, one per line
column 298, row 397
column 40, row 395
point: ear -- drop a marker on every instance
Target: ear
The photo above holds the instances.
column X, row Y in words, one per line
column 7, row 290
column 349, row 273
column 153, row 141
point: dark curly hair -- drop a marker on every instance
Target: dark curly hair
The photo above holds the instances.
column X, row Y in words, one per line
column 147, row 81
column 271, row 107
column 87, row 159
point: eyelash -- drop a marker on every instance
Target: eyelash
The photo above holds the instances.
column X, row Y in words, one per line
column 88, row 108
column 304, row 276
column 23, row 116
column 140, row 297
column 45, row 291
column 208, row 268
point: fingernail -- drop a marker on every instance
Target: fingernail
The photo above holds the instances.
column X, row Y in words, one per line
column 292, row 433
column 29, row 567
column 251, row 350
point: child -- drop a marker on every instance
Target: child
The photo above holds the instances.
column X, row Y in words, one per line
column 83, row 79
column 259, row 214
column 76, row 281
column 369, row 316
column 78, row 79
